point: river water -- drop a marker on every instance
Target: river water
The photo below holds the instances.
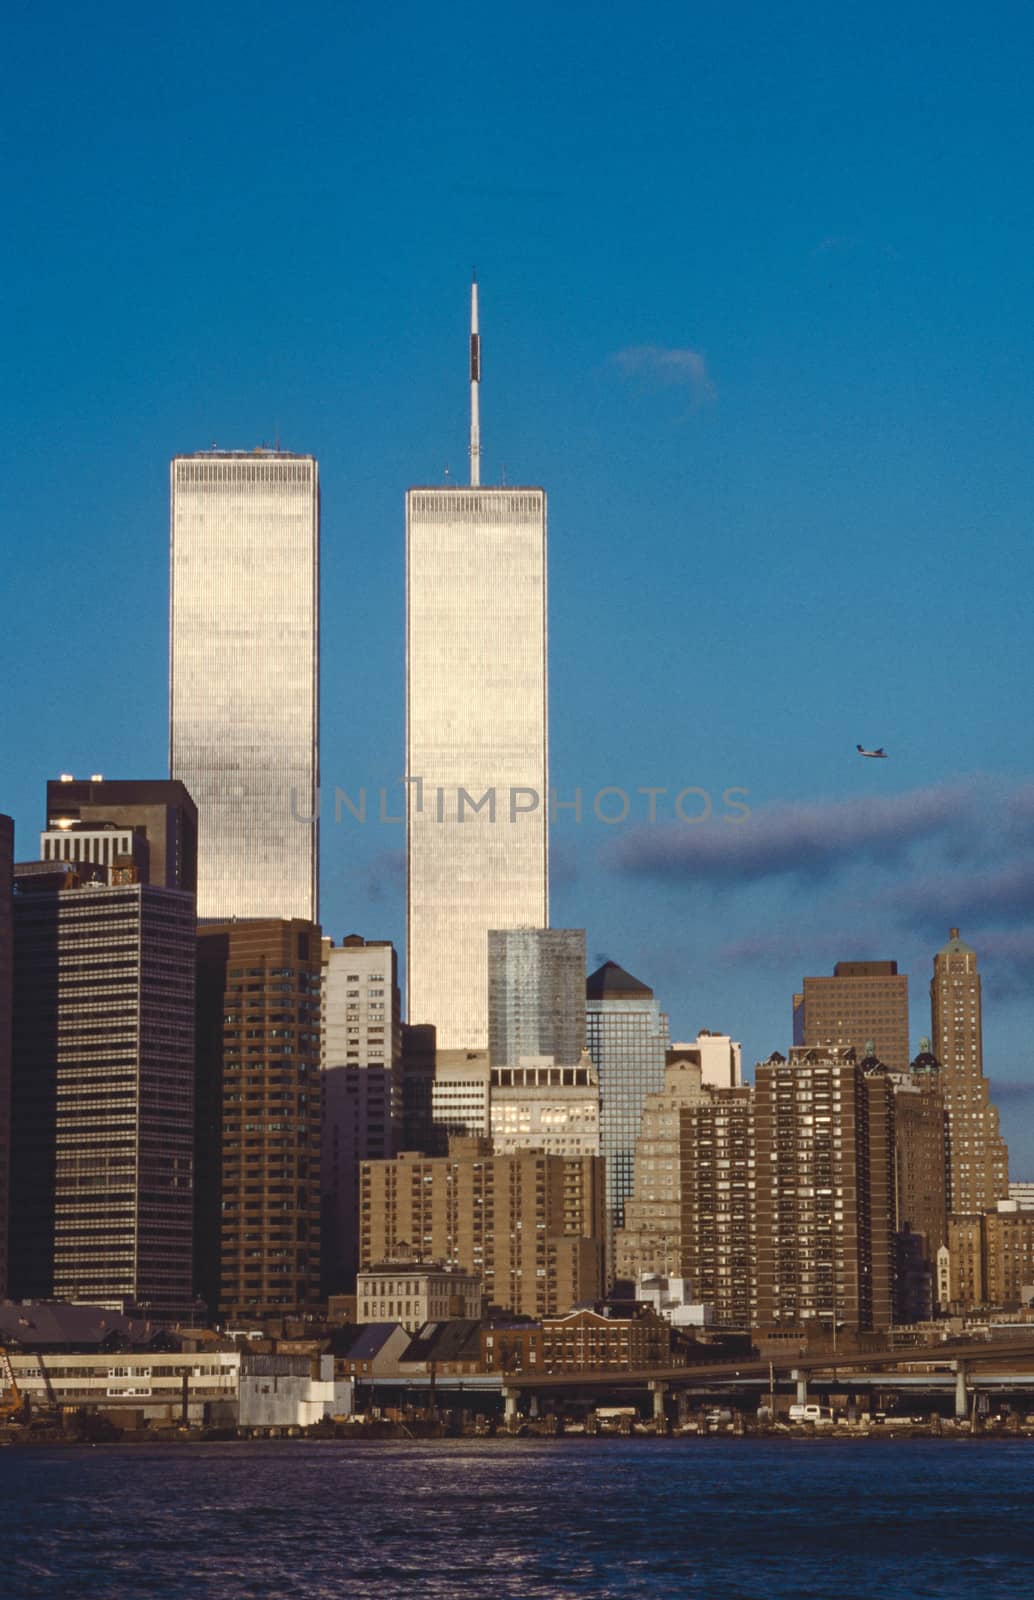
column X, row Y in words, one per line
column 716, row 1519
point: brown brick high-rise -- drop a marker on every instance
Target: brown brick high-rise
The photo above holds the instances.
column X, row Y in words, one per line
column 863, row 1002
column 824, row 1183
column 979, row 1157
column 258, row 1114
column 692, row 1210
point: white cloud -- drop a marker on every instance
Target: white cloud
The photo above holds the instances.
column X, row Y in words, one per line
column 686, row 368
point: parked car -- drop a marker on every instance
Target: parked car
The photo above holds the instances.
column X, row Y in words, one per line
column 810, row 1412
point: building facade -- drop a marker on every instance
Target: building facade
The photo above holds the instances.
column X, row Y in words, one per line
column 691, row 1215
column 1008, row 1256
column 615, row 1340
column 461, row 1097
column 244, row 676
column 151, row 820
column 824, row 1184
column 965, row 1275
column 259, row 1112
column 362, row 1088
column 476, row 744
column 862, row 1001
column 103, row 1095
column 529, row 1225
column 161, row 1386
column 921, row 1182
column 979, row 1173
column 416, row 1292
column 719, row 1058
column 537, row 1105
column 536, row 994
column 921, row 1150
column 628, row 1040
column 419, row 1054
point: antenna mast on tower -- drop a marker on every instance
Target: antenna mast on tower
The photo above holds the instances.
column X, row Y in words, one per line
column 475, row 386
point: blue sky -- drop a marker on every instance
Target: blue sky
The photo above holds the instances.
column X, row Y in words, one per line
column 756, row 311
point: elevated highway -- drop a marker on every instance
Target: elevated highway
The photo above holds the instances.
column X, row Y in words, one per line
column 999, row 1361
column 969, row 1351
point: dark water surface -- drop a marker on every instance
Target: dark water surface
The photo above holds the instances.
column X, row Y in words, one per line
column 722, row 1520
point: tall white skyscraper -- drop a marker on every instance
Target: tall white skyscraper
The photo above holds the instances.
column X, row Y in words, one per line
column 476, row 735
column 244, row 676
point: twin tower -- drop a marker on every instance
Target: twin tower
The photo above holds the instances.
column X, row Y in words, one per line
column 244, row 706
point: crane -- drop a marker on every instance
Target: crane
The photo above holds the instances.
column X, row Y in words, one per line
column 15, row 1409
column 48, row 1386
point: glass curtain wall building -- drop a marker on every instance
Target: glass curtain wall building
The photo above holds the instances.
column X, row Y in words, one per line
column 628, row 1040
column 536, row 994
column 476, row 738
column 244, row 676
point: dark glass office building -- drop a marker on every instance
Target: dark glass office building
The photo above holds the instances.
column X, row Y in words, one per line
column 628, row 1041
column 84, row 813
column 102, row 1093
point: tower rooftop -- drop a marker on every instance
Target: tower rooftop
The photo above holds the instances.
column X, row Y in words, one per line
column 611, row 982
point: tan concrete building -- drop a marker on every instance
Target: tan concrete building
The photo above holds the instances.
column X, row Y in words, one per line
column 414, row 1292
column 691, row 1214
column 539, row 1105
column 991, row 1258
column 979, row 1155
column 965, row 1260
column 530, row 1225
column 258, row 1116
column 862, row 1001
column 824, row 1213
column 1008, row 1241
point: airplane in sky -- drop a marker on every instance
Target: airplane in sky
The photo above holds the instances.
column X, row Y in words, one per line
column 874, row 755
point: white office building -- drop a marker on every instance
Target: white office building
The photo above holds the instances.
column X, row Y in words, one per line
column 672, row 1299
column 476, row 737
column 416, row 1292
column 719, row 1058
column 461, row 1095
column 362, row 1088
column 244, row 676
column 540, row 1105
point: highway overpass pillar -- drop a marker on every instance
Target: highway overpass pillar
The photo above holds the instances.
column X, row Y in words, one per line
column 510, row 1405
column 961, row 1407
column 801, row 1381
column 659, row 1390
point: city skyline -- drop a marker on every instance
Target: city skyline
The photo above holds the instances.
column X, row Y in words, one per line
column 784, row 441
